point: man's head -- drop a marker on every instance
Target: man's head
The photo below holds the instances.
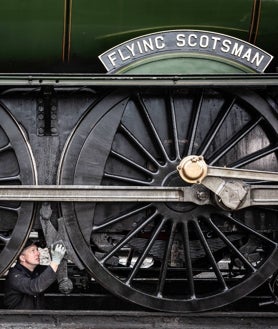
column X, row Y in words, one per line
column 30, row 255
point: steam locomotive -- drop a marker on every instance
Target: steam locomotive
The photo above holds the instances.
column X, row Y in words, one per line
column 143, row 135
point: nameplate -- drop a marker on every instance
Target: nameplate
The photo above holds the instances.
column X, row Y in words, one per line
column 189, row 42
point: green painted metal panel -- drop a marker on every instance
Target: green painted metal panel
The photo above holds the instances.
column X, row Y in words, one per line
column 99, row 25
column 268, row 27
column 31, row 34
column 32, row 31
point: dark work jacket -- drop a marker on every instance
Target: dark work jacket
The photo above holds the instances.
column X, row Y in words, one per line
column 24, row 289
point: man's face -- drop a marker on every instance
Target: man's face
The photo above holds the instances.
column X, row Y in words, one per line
column 30, row 256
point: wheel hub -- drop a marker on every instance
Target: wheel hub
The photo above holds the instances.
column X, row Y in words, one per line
column 174, row 179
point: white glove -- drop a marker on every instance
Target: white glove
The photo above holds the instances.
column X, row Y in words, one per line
column 57, row 252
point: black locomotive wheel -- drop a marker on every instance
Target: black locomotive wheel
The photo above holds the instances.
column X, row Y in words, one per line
column 172, row 256
column 17, row 167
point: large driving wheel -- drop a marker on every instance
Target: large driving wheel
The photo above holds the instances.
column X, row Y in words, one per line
column 17, row 167
column 172, row 256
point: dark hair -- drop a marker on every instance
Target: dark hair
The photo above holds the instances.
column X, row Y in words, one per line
column 30, row 242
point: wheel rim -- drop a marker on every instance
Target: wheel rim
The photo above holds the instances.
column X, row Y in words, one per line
column 138, row 139
column 17, row 168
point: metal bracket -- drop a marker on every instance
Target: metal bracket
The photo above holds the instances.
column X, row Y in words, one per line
column 47, row 123
column 229, row 194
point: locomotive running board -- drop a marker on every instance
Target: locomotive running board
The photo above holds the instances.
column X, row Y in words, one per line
column 72, row 80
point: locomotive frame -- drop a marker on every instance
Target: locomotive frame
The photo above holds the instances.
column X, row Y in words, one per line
column 69, row 195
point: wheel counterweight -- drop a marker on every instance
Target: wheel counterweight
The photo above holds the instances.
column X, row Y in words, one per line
column 175, row 256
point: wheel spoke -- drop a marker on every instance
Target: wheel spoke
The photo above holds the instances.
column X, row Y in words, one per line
column 139, row 146
column 120, row 218
column 210, row 256
column 6, row 148
column 15, row 178
column 221, row 117
column 130, row 235
column 230, row 245
column 129, row 180
column 5, row 239
column 171, row 106
column 131, row 163
column 250, row 230
column 195, row 114
column 148, row 247
column 9, row 208
column 254, row 156
column 214, row 157
column 151, row 126
column 187, row 258
column 165, row 260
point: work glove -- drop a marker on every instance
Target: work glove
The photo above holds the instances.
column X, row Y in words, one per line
column 57, row 252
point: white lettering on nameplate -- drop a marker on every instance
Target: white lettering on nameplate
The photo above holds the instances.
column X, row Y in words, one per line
column 186, row 41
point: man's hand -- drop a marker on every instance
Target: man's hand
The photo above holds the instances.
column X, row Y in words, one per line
column 57, row 252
